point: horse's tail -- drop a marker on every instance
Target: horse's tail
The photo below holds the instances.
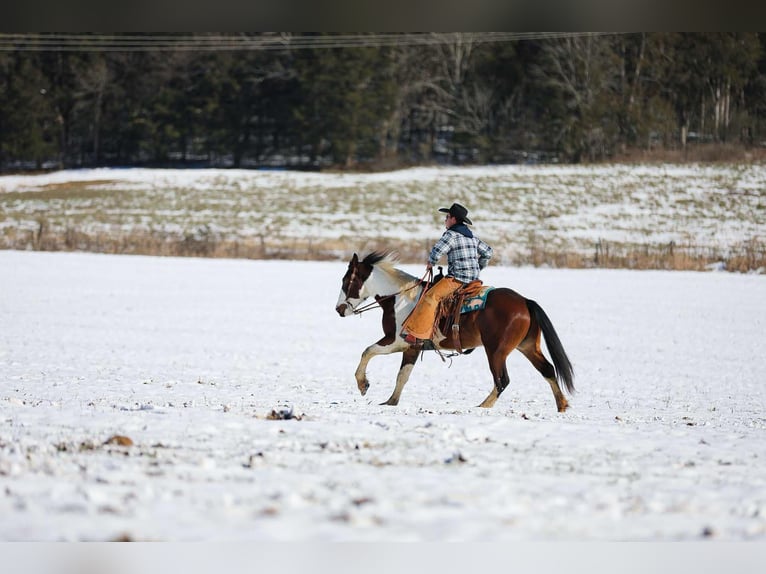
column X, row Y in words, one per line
column 564, row 371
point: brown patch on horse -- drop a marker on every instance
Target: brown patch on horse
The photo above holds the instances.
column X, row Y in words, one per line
column 389, row 319
column 350, row 279
column 359, row 272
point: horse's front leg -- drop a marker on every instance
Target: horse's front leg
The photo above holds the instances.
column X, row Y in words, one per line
column 382, row 347
column 361, row 369
column 409, row 356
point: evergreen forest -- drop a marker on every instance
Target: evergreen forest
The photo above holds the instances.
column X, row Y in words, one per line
column 374, row 101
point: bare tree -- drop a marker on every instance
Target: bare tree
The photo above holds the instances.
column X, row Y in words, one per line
column 582, row 70
column 92, row 83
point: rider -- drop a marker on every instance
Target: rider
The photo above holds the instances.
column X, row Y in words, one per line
column 466, row 256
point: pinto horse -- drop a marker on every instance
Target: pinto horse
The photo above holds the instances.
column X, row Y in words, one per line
column 507, row 322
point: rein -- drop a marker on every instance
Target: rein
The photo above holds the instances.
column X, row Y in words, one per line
column 375, row 304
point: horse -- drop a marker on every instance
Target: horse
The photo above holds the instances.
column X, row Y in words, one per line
column 508, row 321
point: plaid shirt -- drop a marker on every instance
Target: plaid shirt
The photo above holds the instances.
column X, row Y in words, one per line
column 466, row 256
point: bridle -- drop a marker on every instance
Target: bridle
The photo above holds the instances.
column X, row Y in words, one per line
column 425, row 280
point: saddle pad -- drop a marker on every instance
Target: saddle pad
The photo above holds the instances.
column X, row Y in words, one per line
column 476, row 302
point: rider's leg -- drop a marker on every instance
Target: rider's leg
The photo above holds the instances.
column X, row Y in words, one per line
column 420, row 323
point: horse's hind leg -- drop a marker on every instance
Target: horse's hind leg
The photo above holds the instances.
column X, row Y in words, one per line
column 408, row 362
column 499, row 375
column 530, row 348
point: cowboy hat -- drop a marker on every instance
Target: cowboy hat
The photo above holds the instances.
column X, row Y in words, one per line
column 458, row 212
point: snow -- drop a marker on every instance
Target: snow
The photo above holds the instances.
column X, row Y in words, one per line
column 664, row 440
column 518, row 209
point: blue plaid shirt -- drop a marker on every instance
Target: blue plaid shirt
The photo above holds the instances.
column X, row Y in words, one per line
column 466, row 254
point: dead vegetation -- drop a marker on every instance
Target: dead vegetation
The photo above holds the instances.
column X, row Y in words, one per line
column 748, row 256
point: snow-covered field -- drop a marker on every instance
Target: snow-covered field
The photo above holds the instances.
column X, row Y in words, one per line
column 664, row 440
column 522, row 210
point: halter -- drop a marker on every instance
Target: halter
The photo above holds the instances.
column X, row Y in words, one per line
column 375, row 304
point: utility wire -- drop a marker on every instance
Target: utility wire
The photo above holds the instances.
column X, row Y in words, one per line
column 38, row 42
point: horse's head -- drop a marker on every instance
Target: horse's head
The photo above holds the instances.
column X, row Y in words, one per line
column 353, row 290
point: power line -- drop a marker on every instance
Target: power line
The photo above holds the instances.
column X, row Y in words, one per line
column 38, row 42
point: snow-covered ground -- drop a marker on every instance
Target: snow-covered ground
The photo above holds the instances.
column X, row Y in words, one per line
column 664, row 439
column 519, row 209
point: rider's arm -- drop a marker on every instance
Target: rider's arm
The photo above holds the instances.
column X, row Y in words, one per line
column 485, row 253
column 442, row 246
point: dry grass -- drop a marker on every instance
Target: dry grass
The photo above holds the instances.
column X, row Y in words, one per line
column 707, row 153
column 746, row 257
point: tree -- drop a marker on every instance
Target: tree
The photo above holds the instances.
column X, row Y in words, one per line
column 92, row 81
column 705, row 71
column 442, row 110
column 27, row 118
column 583, row 74
column 754, row 99
column 345, row 100
column 452, row 98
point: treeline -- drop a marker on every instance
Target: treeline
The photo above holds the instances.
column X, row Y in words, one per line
column 458, row 98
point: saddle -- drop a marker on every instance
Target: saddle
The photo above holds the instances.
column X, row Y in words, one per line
column 468, row 298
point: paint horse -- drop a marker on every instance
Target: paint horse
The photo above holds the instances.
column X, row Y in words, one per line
column 507, row 322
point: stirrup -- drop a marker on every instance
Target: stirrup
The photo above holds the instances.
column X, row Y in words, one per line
column 410, row 339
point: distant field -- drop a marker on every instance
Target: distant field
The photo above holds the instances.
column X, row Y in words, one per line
column 666, row 216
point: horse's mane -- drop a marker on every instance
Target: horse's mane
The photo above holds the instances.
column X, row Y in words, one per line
column 386, row 261
column 381, row 257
